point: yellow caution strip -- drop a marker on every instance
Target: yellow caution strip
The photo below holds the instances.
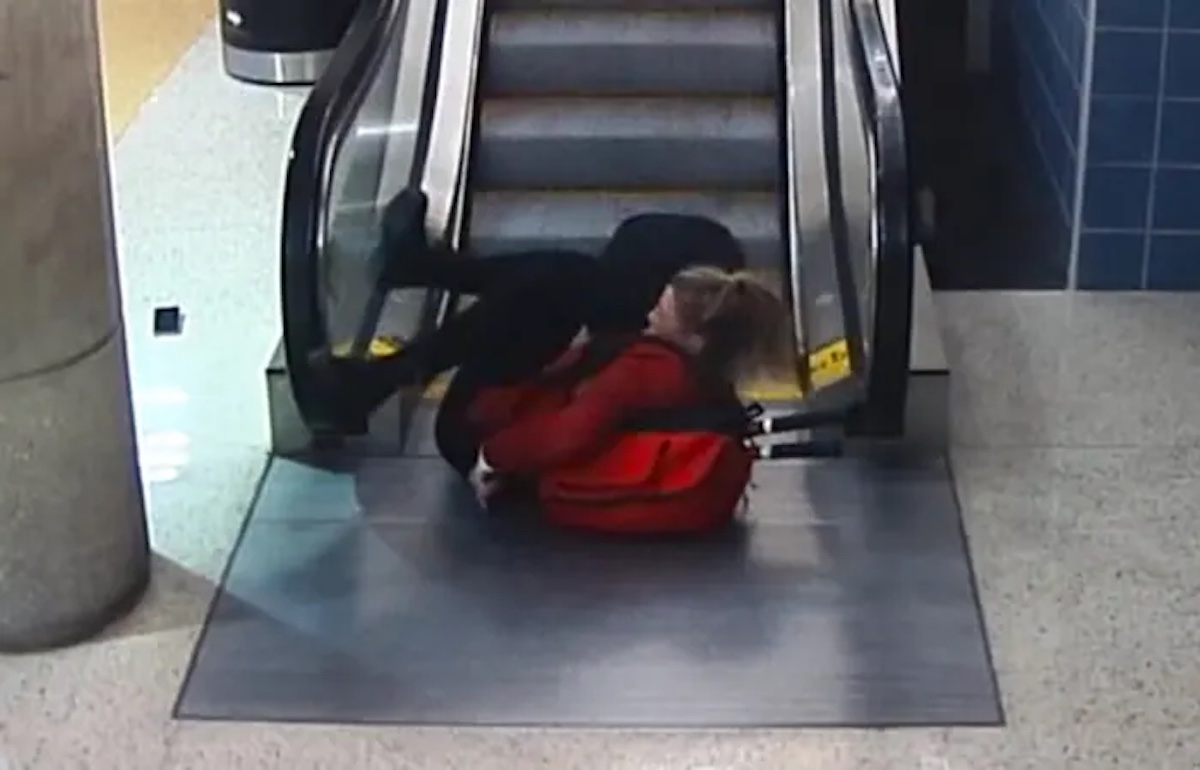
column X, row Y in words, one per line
column 380, row 347
column 829, row 364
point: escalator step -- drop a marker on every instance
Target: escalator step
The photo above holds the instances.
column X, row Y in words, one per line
column 510, row 220
column 660, row 143
column 583, row 52
column 593, row 111
column 635, row 5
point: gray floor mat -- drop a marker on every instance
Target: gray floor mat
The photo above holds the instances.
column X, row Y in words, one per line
column 382, row 594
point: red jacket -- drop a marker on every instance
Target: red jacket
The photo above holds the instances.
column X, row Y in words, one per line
column 534, row 429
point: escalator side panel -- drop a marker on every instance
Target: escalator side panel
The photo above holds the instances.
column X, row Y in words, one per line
column 454, row 117
column 811, row 210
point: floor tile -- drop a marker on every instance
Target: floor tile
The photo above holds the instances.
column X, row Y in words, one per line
column 208, row 381
column 105, row 705
column 1089, row 585
column 1055, row 369
column 199, row 746
column 1005, row 355
column 1128, row 361
column 206, row 151
column 228, row 274
column 198, row 499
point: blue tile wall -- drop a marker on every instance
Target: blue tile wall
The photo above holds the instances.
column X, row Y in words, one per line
column 1139, row 202
column 1041, row 44
column 1141, row 191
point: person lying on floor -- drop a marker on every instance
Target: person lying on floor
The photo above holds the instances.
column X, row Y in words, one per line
column 672, row 322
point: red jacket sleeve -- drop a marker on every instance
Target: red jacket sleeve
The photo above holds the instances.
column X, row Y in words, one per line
column 637, row 380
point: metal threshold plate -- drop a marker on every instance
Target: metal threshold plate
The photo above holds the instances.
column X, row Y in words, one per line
column 379, row 593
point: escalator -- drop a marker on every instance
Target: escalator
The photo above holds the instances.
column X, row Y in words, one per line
column 367, row 586
column 544, row 123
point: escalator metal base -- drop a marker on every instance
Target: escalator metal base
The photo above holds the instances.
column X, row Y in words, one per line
column 275, row 68
column 379, row 593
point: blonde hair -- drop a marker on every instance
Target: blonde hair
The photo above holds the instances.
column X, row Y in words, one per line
column 744, row 324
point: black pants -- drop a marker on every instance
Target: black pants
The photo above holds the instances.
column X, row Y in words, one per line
column 529, row 306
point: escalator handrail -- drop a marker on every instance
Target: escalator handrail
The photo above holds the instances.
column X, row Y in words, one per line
column 878, row 86
column 847, row 394
column 324, row 123
column 871, row 402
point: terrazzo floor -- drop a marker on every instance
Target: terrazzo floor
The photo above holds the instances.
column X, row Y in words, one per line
column 1077, row 455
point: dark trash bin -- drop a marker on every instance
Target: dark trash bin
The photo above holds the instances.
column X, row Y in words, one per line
column 282, row 42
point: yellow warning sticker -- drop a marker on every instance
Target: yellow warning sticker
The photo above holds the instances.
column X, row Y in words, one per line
column 380, row 347
column 829, row 364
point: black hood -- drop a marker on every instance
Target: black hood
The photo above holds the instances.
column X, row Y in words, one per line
column 643, row 255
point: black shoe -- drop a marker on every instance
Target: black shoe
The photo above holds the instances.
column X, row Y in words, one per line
column 344, row 424
column 342, row 416
column 358, row 387
column 403, row 237
column 342, row 385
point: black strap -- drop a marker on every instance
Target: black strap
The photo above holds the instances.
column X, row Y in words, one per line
column 728, row 419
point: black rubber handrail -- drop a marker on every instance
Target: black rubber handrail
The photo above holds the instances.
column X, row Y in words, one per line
column 878, row 86
column 327, row 117
column 872, row 401
column 839, row 226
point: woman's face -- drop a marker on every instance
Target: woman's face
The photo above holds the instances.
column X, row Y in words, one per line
column 664, row 322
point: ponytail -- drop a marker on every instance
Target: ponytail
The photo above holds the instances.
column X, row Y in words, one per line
column 744, row 324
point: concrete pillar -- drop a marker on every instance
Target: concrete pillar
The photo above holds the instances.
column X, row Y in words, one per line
column 73, row 542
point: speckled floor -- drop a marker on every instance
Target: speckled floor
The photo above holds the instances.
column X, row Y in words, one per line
column 1078, row 458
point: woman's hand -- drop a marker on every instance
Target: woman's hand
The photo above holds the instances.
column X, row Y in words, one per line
column 485, row 485
column 484, row 480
